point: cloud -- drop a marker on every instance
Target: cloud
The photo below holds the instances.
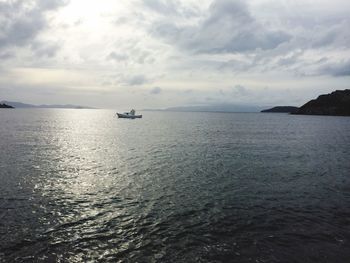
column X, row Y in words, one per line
column 193, row 50
column 6, row 55
column 164, row 7
column 137, row 80
column 233, row 37
column 22, row 21
column 117, row 57
column 240, row 90
column 320, row 34
column 48, row 49
column 133, row 52
column 156, row 90
column 45, row 5
column 340, row 69
column 170, row 8
column 228, row 28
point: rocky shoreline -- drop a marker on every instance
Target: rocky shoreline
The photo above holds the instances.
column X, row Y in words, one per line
column 336, row 103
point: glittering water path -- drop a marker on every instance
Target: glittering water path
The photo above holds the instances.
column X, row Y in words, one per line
column 80, row 185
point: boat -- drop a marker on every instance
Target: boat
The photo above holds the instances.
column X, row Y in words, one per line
column 129, row 115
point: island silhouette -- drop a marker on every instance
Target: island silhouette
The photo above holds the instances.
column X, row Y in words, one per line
column 336, row 103
column 5, row 106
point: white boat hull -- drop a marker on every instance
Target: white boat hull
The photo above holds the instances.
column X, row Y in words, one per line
column 128, row 116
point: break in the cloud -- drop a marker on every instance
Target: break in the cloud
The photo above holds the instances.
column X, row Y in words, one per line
column 119, row 53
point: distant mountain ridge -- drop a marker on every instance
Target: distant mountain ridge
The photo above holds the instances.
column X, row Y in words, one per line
column 282, row 109
column 212, row 108
column 44, row 106
column 336, row 103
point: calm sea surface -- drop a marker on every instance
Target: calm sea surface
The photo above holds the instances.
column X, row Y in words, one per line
column 83, row 186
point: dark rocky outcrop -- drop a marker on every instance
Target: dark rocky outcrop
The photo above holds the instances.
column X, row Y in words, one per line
column 282, row 109
column 5, row 106
column 336, row 103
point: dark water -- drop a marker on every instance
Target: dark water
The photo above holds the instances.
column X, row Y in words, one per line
column 82, row 186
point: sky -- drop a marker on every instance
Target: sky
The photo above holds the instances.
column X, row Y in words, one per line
column 166, row 53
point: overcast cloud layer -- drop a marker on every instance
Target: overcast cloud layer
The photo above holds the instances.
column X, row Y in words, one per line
column 164, row 53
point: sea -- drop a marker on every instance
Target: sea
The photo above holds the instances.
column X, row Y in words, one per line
column 85, row 186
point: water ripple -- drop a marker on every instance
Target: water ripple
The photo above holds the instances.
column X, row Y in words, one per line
column 80, row 186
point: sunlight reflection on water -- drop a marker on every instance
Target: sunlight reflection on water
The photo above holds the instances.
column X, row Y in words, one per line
column 81, row 185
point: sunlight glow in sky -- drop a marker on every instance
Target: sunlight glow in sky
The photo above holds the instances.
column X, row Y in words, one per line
column 158, row 53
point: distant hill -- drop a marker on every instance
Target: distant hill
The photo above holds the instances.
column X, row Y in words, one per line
column 336, row 103
column 5, row 106
column 282, row 109
column 66, row 106
column 24, row 105
column 18, row 104
column 212, row 108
